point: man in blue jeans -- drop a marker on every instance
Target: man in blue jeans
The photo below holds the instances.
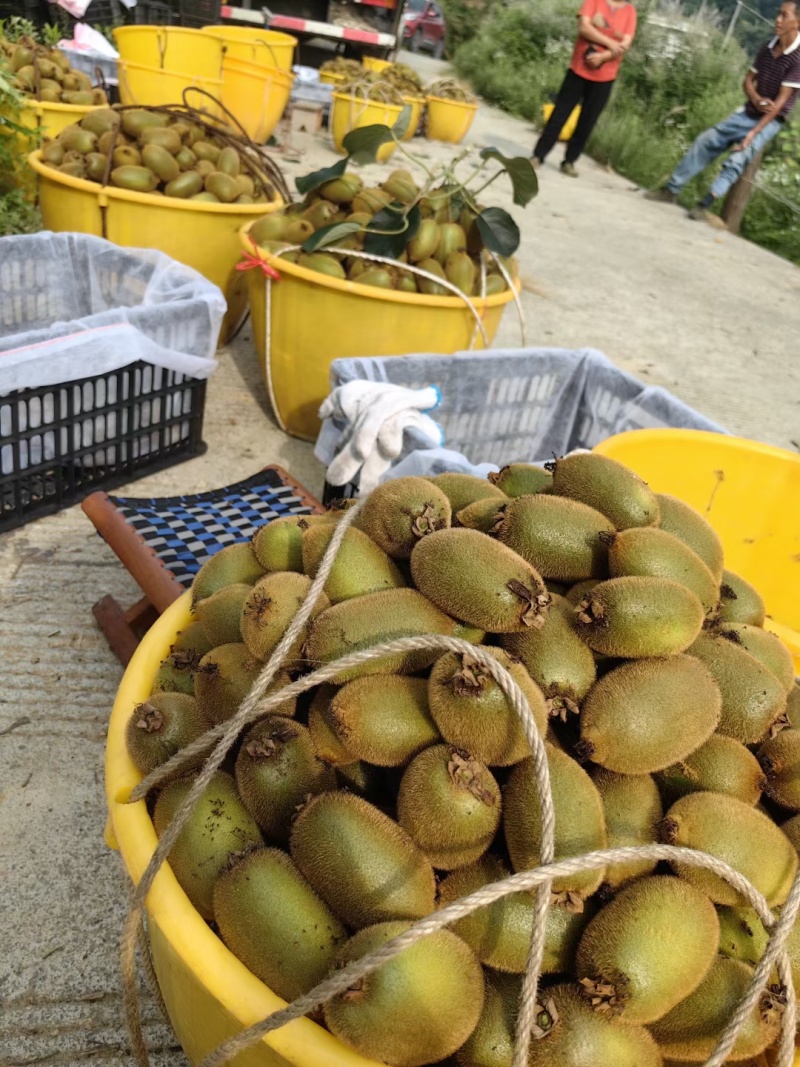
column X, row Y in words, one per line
column 771, row 87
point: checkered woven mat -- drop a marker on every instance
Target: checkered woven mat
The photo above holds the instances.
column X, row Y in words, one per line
column 184, row 531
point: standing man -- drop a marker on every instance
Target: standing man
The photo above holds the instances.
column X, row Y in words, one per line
column 771, row 86
column 605, row 33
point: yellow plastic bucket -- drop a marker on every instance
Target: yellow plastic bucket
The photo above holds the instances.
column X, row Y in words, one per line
column 267, row 47
column 449, row 120
column 315, row 319
column 749, row 492
column 171, row 48
column 151, row 87
column 568, row 128
column 352, row 112
column 329, row 77
column 209, row 994
column 203, row 236
column 50, row 119
column 417, row 105
column 255, row 95
column 374, row 64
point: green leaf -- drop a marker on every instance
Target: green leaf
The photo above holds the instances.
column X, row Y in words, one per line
column 308, row 182
column 329, row 235
column 400, row 127
column 363, row 143
column 499, row 233
column 400, row 225
column 520, row 171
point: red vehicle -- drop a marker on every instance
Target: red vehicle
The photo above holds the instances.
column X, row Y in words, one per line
column 424, row 27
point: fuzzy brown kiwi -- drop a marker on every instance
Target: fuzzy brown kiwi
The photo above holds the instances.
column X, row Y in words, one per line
column 220, row 614
column 633, row 813
column 360, row 566
column 268, row 613
column 464, row 489
column 720, row 765
column 689, row 526
column 608, row 486
column 277, row 771
column 161, row 726
column 235, row 563
column 740, row 601
column 402, row 511
column 225, row 676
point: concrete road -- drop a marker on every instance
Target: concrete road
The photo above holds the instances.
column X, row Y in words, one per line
column 709, row 316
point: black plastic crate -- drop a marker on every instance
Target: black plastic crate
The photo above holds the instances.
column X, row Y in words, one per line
column 197, row 13
column 34, row 11
column 58, row 443
column 152, row 13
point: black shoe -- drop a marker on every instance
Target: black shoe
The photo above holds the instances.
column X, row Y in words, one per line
column 700, row 210
column 568, row 169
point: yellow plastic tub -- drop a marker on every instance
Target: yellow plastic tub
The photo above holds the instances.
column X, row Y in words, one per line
column 171, row 48
column 203, row 236
column 151, row 87
column 449, row 120
column 417, row 105
column 267, row 47
column 316, row 319
column 209, row 994
column 352, row 112
column 255, row 95
column 749, row 492
column 568, row 128
column 50, row 119
column 329, row 77
column 374, row 64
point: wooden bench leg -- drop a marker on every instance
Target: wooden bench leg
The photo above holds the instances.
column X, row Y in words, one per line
column 123, row 629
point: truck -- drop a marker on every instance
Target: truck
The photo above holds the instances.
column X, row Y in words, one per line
column 325, row 28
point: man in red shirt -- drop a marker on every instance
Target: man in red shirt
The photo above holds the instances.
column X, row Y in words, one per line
column 605, row 32
column 771, row 86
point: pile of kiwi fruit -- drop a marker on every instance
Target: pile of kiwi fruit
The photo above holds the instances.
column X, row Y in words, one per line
column 446, row 244
column 450, row 89
column 669, row 715
column 45, row 74
column 160, row 151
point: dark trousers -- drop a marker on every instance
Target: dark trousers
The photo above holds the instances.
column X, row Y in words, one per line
column 592, row 96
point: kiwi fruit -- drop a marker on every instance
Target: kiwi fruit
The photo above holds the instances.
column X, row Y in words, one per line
column 557, row 660
column 793, row 705
column 637, row 617
column 648, row 552
column 220, row 613
column 766, row 647
column 720, row 765
column 491, row 1043
column 160, row 727
column 363, row 865
column 273, row 921
column 648, row 949
column 382, row 719
column 482, row 515
column 278, row 546
column 575, row 594
column 225, row 676
column 218, row 826
column 501, row 594
column 561, row 538
column 752, row 697
column 740, row 601
column 449, row 803
column 472, row 712
column 633, row 813
column 277, row 770
column 360, row 566
column 365, row 621
column 741, row 934
column 688, row 525
column 741, row 835
column 608, row 486
column 779, row 758
column 619, row 728
column 268, row 612
column 522, row 479
column 400, row 512
column 417, row 1008
column 326, row 744
column 231, row 565
column 500, row 933
column 464, row 489
column 693, row 1027
column 580, row 823
column 568, row 1033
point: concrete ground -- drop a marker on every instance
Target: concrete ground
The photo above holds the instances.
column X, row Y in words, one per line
column 680, row 304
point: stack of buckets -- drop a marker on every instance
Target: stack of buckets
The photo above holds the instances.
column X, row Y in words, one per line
column 248, row 70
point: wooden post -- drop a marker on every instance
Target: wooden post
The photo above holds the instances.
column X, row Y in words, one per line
column 736, row 200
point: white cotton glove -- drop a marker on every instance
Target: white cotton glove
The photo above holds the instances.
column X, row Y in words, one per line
column 389, row 445
column 367, row 411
